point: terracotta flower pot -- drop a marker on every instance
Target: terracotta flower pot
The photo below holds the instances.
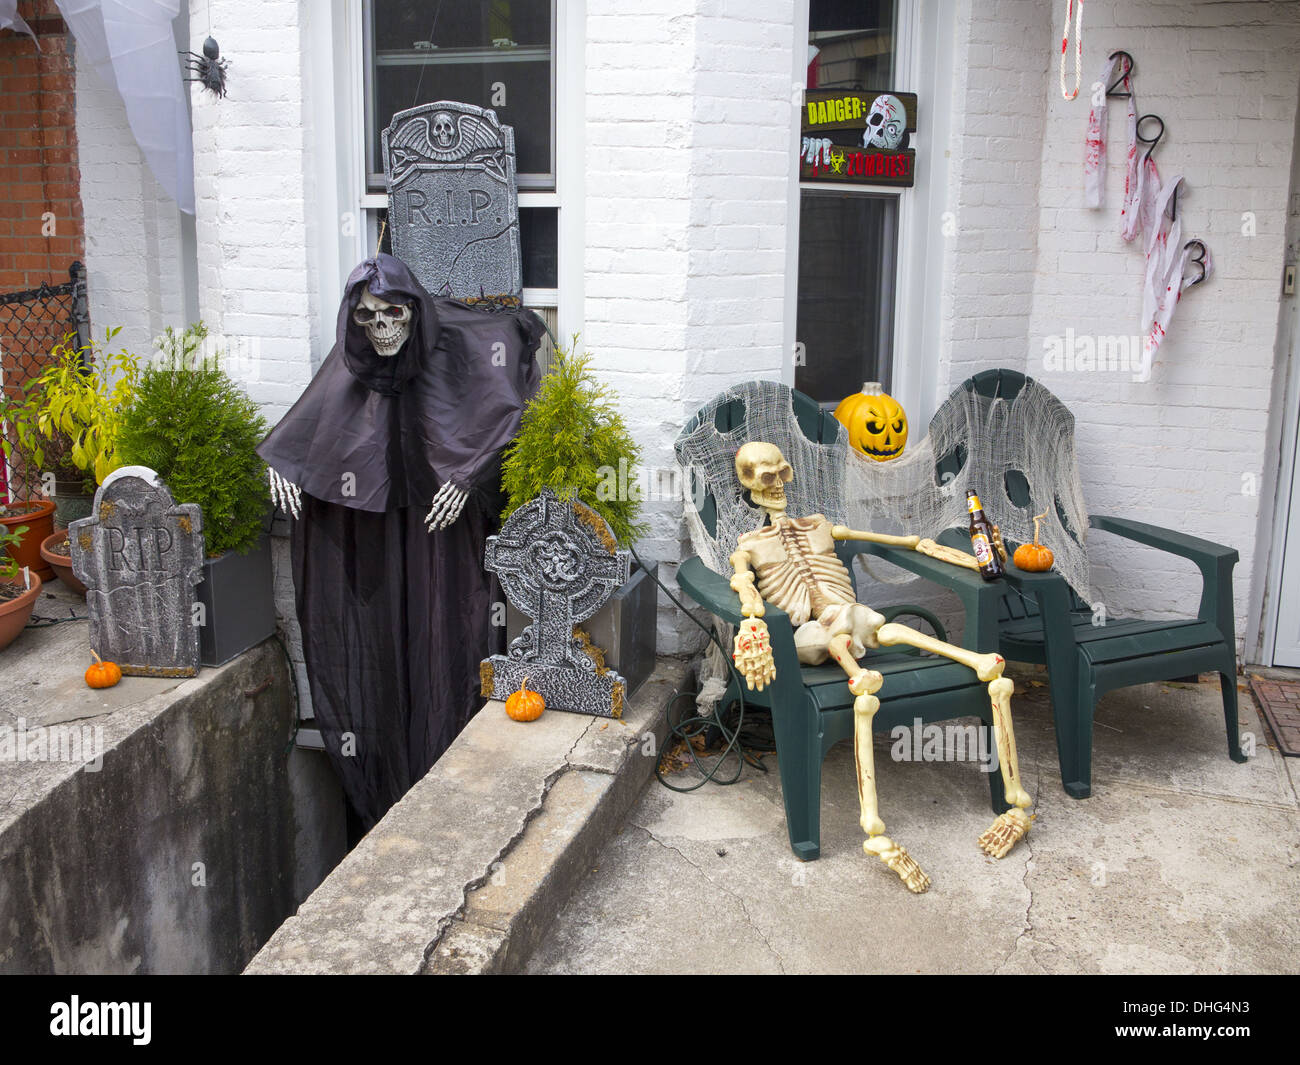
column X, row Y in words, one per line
column 39, row 519
column 15, row 612
column 61, row 564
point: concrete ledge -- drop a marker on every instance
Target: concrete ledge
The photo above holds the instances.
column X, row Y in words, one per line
column 186, row 847
column 466, row 872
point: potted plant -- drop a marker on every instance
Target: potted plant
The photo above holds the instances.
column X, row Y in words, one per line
column 57, row 553
column 18, row 593
column 192, row 425
column 573, row 440
column 63, row 424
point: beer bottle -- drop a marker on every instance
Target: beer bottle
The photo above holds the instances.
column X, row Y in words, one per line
column 981, row 539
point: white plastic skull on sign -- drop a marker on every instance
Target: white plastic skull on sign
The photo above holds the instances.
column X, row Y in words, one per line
column 388, row 325
column 886, row 123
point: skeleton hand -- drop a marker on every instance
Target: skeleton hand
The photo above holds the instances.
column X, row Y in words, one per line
column 284, row 494
column 447, row 505
column 816, row 150
column 753, row 654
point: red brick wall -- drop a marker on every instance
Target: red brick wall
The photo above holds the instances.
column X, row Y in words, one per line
column 38, row 152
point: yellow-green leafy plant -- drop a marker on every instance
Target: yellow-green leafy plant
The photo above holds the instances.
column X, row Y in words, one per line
column 70, row 414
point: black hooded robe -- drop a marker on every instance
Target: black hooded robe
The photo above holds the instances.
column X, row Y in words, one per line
column 395, row 619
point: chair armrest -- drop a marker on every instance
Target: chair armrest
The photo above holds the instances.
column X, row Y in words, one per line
column 1215, row 561
column 979, row 599
column 713, row 592
column 1175, row 543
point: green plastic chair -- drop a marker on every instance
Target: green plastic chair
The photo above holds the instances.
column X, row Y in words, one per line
column 811, row 706
column 1041, row 620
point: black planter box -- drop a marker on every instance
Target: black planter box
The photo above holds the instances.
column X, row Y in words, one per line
column 238, row 597
column 624, row 628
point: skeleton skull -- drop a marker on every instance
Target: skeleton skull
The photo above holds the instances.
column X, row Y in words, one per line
column 388, row 325
column 444, row 129
column 762, row 469
column 886, row 124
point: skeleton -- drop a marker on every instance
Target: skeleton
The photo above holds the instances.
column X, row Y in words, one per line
column 388, row 326
column 886, row 123
column 792, row 564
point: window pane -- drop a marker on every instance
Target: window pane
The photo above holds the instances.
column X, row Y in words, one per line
column 851, row 44
column 847, row 250
column 539, row 242
column 474, row 51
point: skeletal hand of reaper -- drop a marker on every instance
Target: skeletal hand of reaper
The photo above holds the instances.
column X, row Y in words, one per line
column 284, row 494
column 791, row 562
column 447, row 505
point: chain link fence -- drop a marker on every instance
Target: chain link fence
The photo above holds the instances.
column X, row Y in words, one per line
column 31, row 323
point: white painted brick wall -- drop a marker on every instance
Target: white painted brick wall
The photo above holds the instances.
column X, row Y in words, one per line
column 253, row 177
column 689, row 132
column 1173, row 450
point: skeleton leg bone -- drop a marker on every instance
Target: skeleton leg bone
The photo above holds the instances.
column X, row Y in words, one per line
column 1011, row 826
column 986, row 666
column 877, row 843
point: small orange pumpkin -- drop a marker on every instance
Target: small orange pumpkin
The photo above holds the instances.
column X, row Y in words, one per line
column 103, row 674
column 525, row 705
column 1034, row 558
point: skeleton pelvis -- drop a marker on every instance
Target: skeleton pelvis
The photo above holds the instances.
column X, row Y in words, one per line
column 812, row 639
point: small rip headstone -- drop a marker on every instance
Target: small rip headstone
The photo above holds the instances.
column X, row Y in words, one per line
column 140, row 554
column 558, row 563
column 453, row 207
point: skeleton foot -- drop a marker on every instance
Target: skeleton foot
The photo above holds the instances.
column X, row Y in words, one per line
column 902, row 863
column 1008, row 830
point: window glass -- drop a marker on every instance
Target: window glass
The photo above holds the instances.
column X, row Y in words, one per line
column 851, row 44
column 847, row 255
column 491, row 53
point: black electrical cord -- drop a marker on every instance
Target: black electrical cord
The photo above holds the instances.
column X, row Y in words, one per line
column 688, row 728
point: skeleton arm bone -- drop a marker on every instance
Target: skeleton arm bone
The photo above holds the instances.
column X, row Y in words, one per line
column 753, row 649
column 925, row 547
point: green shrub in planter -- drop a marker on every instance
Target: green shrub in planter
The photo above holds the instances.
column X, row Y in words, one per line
column 572, row 440
column 193, row 425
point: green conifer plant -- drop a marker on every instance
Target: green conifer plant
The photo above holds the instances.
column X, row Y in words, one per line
column 197, row 429
column 574, row 441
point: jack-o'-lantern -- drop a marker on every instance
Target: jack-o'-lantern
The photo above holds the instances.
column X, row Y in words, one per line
column 876, row 423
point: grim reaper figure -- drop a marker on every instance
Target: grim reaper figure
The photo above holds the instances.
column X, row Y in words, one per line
column 389, row 465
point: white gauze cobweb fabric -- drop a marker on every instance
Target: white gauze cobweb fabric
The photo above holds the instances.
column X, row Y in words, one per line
column 992, row 438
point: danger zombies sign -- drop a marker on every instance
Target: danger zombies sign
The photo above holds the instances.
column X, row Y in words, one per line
column 861, row 137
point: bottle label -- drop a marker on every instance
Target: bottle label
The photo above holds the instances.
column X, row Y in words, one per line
column 972, row 504
column 983, row 550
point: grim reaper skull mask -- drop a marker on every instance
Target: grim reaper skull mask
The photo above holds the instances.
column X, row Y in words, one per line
column 762, row 469
column 388, row 325
column 886, row 123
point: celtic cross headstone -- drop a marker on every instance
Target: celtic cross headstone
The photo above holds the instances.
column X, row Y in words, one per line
column 558, row 563
column 140, row 554
column 453, row 207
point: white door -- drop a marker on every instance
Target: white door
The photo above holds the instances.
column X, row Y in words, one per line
column 1286, row 651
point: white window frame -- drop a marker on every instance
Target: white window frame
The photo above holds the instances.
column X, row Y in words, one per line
column 923, row 49
column 346, row 208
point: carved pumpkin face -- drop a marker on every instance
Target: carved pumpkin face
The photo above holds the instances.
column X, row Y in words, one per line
column 876, row 423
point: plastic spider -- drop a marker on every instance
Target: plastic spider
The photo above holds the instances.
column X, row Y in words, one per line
column 209, row 68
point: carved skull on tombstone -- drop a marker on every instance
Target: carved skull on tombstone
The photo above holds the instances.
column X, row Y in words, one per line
column 388, row 325
column 443, row 130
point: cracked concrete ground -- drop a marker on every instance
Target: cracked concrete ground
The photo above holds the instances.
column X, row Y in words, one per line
column 1181, row 862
